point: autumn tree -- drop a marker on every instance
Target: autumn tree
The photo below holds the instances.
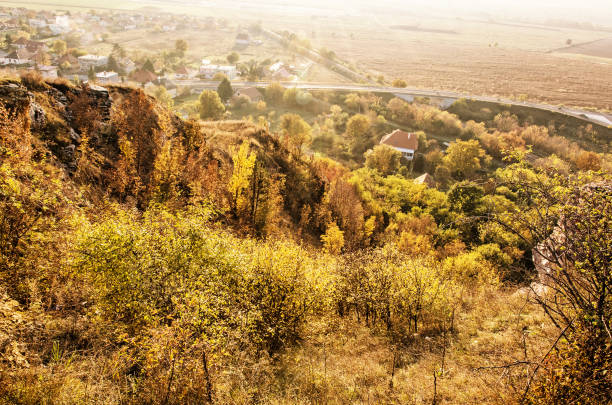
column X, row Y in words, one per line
column 140, row 132
column 333, row 239
column 357, row 126
column 233, row 57
column 118, row 51
column 148, row 65
column 181, row 46
column 211, row 107
column 383, row 158
column 244, row 163
column 162, row 95
column 296, row 129
column 465, row 158
column 59, row 47
column 290, row 97
column 252, row 70
column 353, row 102
column 274, row 93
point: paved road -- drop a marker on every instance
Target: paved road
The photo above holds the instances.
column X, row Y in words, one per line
column 589, row 116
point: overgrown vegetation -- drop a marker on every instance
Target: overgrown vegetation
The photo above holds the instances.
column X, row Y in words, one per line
column 148, row 259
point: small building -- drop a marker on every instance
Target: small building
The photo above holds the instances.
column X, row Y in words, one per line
column 405, row 142
column 183, row 73
column 88, row 61
column 254, row 94
column 107, row 77
column 143, row 76
column 10, row 61
column 276, row 66
column 243, row 39
column 209, row 71
column 426, row 179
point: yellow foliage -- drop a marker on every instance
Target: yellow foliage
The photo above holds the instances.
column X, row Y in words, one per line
column 243, row 169
column 333, row 239
column 414, row 245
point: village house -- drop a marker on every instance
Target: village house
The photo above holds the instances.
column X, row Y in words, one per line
column 243, row 39
column 63, row 21
column 10, row 61
column 251, row 92
column 279, row 71
column 40, row 58
column 209, row 71
column 143, row 76
column 107, row 77
column 405, row 142
column 88, row 61
column 183, row 73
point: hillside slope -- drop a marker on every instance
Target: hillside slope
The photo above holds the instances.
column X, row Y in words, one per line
column 145, row 259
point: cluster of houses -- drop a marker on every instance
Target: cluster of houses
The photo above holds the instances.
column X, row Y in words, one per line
column 87, row 27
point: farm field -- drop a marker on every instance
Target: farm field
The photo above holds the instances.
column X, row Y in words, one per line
column 600, row 49
column 476, row 56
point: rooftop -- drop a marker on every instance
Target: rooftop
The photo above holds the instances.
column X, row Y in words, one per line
column 401, row 139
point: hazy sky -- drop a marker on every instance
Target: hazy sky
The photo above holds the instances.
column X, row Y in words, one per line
column 598, row 11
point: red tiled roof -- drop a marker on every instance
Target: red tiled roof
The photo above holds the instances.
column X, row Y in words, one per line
column 252, row 92
column 144, row 76
column 401, row 139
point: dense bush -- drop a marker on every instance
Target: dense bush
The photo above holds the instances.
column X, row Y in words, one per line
column 388, row 288
column 162, row 268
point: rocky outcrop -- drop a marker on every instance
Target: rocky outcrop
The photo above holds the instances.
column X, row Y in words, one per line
column 48, row 108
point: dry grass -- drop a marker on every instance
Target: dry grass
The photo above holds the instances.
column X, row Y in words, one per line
column 342, row 361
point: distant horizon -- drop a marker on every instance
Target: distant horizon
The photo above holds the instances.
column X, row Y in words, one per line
column 595, row 11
